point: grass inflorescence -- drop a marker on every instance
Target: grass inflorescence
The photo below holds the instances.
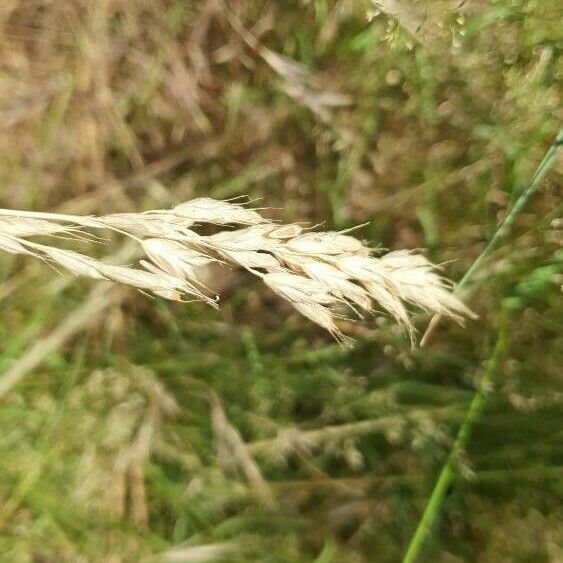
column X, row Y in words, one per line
column 312, row 270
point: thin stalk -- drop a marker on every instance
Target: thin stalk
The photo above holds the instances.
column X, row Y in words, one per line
column 447, row 474
column 488, row 476
column 543, row 168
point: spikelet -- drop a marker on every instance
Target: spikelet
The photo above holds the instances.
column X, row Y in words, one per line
column 74, row 262
column 317, row 272
column 326, row 244
column 206, row 210
column 155, row 224
column 299, row 289
column 25, row 226
column 308, row 296
column 157, row 281
column 176, row 259
column 336, row 281
column 12, row 245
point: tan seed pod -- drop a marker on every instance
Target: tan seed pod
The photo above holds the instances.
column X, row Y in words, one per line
column 206, row 210
column 322, row 316
column 178, row 294
column 12, row 245
column 251, row 260
column 326, row 244
column 157, row 224
column 175, row 258
column 336, row 281
column 151, row 281
column 286, row 231
column 249, row 238
column 74, row 262
column 299, row 289
column 391, row 304
column 25, row 226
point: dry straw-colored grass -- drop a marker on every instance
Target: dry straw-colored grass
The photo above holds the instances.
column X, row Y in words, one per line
column 317, row 272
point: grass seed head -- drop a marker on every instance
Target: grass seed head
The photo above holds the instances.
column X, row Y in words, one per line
column 314, row 271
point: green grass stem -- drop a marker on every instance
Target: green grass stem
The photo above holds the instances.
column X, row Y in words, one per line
column 541, row 171
column 448, row 473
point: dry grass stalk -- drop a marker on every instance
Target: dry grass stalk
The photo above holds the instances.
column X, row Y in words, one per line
column 315, row 271
column 100, row 299
column 296, row 440
column 232, row 450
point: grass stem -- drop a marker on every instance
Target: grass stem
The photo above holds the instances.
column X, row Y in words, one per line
column 447, row 474
column 541, row 171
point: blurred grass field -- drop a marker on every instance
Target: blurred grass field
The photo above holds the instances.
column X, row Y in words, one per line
column 139, row 430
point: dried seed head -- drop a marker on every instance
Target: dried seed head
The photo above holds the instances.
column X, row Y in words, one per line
column 313, row 271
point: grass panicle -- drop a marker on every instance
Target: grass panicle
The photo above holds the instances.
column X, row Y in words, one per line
column 315, row 271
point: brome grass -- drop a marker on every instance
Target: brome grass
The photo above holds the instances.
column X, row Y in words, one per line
column 315, row 271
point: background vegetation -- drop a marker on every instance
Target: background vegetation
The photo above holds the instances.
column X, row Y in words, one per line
column 138, row 430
